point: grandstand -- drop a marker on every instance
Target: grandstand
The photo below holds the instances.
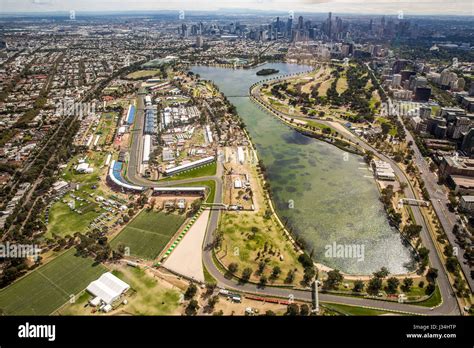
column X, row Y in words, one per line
column 115, row 175
column 131, row 114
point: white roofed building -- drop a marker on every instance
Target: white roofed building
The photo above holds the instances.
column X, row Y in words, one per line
column 108, row 288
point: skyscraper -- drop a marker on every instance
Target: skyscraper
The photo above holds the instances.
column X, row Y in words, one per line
column 199, row 41
column 289, row 25
column 329, row 25
column 184, row 30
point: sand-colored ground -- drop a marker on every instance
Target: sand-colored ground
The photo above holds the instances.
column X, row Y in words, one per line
column 186, row 259
column 230, row 308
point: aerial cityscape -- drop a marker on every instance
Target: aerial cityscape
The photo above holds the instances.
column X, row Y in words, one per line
column 259, row 159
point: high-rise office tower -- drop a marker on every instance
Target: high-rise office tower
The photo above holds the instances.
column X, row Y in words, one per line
column 184, row 30
column 289, row 25
column 300, row 22
column 329, row 25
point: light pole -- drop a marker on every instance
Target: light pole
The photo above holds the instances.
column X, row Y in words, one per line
column 316, row 296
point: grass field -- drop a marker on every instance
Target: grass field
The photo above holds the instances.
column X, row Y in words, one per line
column 207, row 170
column 64, row 222
column 94, row 158
column 257, row 239
column 352, row 310
column 50, row 286
column 325, row 85
column 251, row 237
column 150, row 296
column 142, row 74
column 318, row 125
column 434, row 300
column 149, row 233
column 342, row 84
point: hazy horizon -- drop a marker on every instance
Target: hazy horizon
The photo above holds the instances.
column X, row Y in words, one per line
column 367, row 7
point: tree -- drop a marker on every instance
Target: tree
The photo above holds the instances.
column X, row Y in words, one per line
column 448, row 250
column 261, row 267
column 263, row 281
column 383, row 273
column 195, row 206
column 407, row 284
column 374, row 286
column 308, row 275
column 452, row 264
column 290, row 277
column 210, row 287
column 305, row 260
column 369, row 155
column 292, row 309
column 431, row 275
column 190, row 291
column 276, row 272
column 412, row 231
column 386, row 127
column 304, row 310
column 192, row 307
column 212, row 302
column 392, row 285
column 429, row 289
column 358, row 286
column 233, row 267
column 333, row 280
column 246, row 274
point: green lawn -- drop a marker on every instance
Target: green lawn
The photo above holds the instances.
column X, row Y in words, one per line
column 143, row 74
column 146, row 297
column 393, row 130
column 151, row 298
column 50, row 286
column 207, row 276
column 206, row 170
column 95, row 160
column 434, row 300
column 352, row 310
column 318, row 125
column 149, row 233
column 63, row 221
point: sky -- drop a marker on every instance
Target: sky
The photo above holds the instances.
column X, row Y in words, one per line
column 387, row 7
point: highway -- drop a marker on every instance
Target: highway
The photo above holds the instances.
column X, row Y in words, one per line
column 448, row 307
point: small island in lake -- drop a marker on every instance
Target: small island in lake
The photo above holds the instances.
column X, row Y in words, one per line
column 264, row 72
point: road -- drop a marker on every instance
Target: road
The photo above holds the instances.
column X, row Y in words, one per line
column 448, row 307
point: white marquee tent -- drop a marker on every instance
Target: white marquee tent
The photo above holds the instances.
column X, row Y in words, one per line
column 108, row 287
